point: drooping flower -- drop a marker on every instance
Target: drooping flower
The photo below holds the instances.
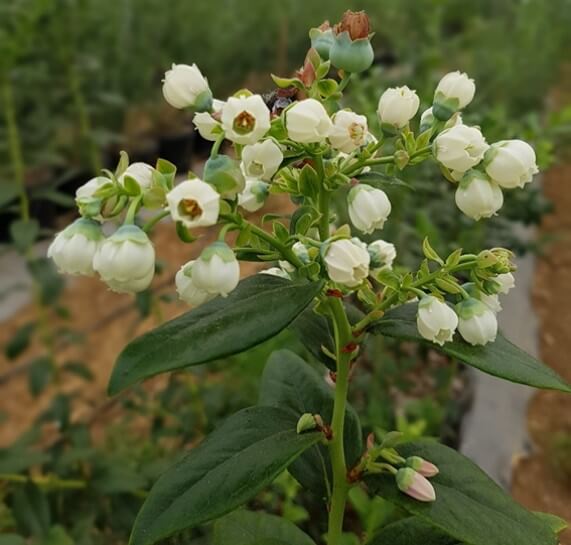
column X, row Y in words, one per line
column 506, row 282
column 223, row 173
column 478, row 196
column 74, row 248
column 195, row 203
column 435, row 320
column 307, row 122
column 460, row 148
column 216, row 271
column 382, row 254
column 254, row 195
column 511, row 163
column 347, row 261
column 126, row 260
column 477, row 323
column 369, row 207
column 187, row 290
column 454, row 92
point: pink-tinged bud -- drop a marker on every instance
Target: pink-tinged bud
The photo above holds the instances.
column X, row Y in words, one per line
column 422, row 466
column 370, row 441
column 415, row 485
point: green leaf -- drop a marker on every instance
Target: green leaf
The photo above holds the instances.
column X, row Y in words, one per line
column 50, row 281
column 12, row 539
column 290, row 383
column 15, row 459
column 557, row 524
column 501, row 358
column 19, row 341
column 31, row 510
column 40, row 374
column 469, row 506
column 259, row 308
column 411, row 531
column 24, row 233
column 131, row 186
column 248, row 528
column 231, row 466
column 380, row 179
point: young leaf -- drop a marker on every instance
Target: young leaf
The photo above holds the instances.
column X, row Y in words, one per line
column 259, row 308
column 411, row 530
column 290, row 383
column 500, row 358
column 469, row 506
column 24, row 233
column 230, row 467
column 248, row 528
column 19, row 341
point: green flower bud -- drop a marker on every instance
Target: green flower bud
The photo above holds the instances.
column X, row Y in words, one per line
column 224, row 174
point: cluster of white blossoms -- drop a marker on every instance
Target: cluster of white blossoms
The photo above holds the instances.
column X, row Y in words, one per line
column 297, row 143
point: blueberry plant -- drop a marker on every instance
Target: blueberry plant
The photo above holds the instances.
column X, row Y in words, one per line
column 326, row 285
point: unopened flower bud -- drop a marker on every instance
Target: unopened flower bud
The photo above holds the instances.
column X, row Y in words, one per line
column 126, row 260
column 307, row 122
column 194, row 203
column 460, row 148
column 306, row 422
column 89, row 204
column 349, row 131
column 140, row 172
column 435, row 320
column 187, row 290
column 74, row 248
column 322, row 39
column 415, row 485
column 505, row 281
column 382, row 254
column 224, row 174
column 422, row 466
column 511, row 163
column 351, row 50
column 216, row 271
column 369, row 207
column 478, row 196
column 254, row 195
column 262, row 159
column 184, row 86
column 454, row 92
column 477, row 323
column 245, row 119
column 347, row 262
column 397, row 106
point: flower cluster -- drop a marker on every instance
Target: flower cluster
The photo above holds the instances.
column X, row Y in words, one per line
column 299, row 140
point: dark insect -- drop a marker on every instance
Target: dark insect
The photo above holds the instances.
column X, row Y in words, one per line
column 279, row 99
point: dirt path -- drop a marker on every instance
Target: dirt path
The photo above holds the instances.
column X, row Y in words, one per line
column 538, row 483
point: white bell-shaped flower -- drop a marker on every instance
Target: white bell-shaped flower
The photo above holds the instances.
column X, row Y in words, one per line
column 74, row 248
column 208, row 127
column 216, row 271
column 435, row 320
column 505, row 281
column 397, row 106
column 262, row 159
column 478, row 196
column 477, row 323
column 195, row 203
column 511, row 163
column 308, row 122
column 347, row 261
column 126, row 260
column 460, row 148
column 369, row 207
column 184, row 86
column 455, row 86
column 382, row 254
column 245, row 119
column 254, row 195
column 187, row 290
column 349, row 131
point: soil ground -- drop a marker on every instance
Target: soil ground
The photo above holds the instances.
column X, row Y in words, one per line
column 539, row 482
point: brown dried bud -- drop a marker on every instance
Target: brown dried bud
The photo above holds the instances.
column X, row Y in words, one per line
column 356, row 23
column 324, row 26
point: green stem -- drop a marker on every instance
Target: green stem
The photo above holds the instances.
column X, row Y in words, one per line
column 153, row 221
column 323, row 200
column 15, row 146
column 216, row 146
column 132, row 211
column 344, row 82
column 343, row 336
